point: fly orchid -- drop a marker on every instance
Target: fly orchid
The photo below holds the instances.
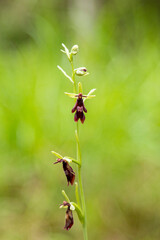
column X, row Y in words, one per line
column 79, row 109
column 79, row 105
column 70, row 174
column 69, row 215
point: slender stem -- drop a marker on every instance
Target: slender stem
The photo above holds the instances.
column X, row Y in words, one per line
column 73, row 78
column 81, row 188
column 77, row 194
column 79, row 158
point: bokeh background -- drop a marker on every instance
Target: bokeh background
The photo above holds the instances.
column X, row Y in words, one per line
column 120, row 139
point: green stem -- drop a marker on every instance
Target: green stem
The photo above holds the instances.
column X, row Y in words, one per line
column 73, row 78
column 77, row 194
column 79, row 158
column 81, row 188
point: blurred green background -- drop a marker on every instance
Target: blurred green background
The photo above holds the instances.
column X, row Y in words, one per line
column 120, row 139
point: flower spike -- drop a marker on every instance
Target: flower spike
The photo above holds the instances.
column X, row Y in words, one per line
column 79, row 111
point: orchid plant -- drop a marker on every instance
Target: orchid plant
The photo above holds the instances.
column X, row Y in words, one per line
column 78, row 109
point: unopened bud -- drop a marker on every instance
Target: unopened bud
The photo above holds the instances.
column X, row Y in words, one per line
column 75, row 49
column 82, row 71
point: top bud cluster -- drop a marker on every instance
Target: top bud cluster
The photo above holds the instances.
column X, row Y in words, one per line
column 82, row 71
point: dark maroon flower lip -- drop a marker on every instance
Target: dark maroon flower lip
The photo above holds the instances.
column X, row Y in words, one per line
column 70, row 174
column 68, row 217
column 79, row 108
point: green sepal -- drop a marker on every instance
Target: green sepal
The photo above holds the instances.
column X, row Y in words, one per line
column 66, row 51
column 57, row 154
column 71, row 95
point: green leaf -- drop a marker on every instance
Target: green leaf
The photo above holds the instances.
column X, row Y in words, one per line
column 57, row 154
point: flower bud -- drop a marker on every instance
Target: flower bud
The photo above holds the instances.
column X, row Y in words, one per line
column 75, row 49
column 82, row 71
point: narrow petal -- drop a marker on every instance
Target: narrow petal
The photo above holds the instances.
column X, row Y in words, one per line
column 74, row 108
column 71, row 95
column 66, row 51
column 58, row 161
column 85, row 110
column 82, row 118
column 65, row 74
column 76, row 117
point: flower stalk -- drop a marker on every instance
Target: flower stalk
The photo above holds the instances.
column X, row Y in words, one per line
column 79, row 158
column 79, row 110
